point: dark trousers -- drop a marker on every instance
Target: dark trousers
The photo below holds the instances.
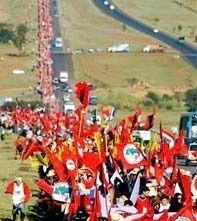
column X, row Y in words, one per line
column 19, row 209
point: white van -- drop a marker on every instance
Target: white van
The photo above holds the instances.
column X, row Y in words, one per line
column 69, row 107
column 63, row 77
column 58, row 43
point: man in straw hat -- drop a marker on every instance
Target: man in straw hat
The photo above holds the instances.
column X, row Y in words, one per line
column 20, row 195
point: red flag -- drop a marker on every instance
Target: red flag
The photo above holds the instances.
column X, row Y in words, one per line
column 185, row 184
column 131, row 157
column 167, row 136
column 180, row 148
column 163, row 217
column 137, row 117
column 43, row 185
column 185, row 213
column 32, row 148
column 150, row 120
column 91, row 160
column 57, row 164
column 82, row 92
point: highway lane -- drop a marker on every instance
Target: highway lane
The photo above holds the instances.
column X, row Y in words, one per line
column 189, row 51
column 62, row 61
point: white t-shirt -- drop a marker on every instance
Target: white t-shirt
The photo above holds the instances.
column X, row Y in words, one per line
column 18, row 194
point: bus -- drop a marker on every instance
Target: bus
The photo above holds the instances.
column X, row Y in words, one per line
column 188, row 125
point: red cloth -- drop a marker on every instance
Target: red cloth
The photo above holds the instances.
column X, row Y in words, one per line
column 142, row 204
column 27, row 192
column 43, row 185
column 82, row 91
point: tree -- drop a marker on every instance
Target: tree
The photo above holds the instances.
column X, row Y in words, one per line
column 19, row 38
column 6, row 33
column 191, row 99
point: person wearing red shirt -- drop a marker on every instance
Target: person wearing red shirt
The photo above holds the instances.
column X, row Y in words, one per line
column 143, row 202
column 20, row 195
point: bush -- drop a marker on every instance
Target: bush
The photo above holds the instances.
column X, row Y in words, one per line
column 166, row 97
column 147, row 103
column 191, row 99
column 153, row 96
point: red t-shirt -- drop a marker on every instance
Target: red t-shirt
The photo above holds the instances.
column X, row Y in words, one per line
column 142, row 204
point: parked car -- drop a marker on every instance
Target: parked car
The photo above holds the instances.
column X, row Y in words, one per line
column 191, row 154
column 93, row 100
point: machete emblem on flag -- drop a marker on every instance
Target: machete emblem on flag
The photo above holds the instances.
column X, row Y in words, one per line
column 70, row 164
column 131, row 154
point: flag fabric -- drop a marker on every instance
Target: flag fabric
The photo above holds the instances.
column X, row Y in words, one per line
column 150, row 120
column 194, row 187
column 91, row 160
column 136, row 190
column 82, row 91
column 167, row 136
column 163, row 217
column 32, row 148
column 112, row 114
column 185, row 213
column 180, row 147
column 43, row 185
column 57, row 164
column 131, row 157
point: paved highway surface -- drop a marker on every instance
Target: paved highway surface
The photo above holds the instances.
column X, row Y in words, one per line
column 189, row 51
column 61, row 61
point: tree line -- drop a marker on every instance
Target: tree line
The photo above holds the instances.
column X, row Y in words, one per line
column 17, row 35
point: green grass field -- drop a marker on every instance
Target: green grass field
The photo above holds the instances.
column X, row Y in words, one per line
column 17, row 12
column 166, row 15
column 86, row 26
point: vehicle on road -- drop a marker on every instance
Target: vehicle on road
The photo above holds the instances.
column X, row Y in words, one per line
column 112, row 7
column 192, row 154
column 55, row 81
column 153, row 49
column 181, row 40
column 58, row 42
column 63, row 77
column 69, row 107
column 93, row 100
column 66, row 97
column 119, row 48
column 188, row 125
column 106, row 3
column 155, row 30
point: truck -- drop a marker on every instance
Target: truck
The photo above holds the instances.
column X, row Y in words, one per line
column 188, row 125
column 63, row 77
column 119, row 48
column 153, row 49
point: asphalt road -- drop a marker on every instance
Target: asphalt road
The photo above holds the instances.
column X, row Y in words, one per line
column 189, row 51
column 62, row 61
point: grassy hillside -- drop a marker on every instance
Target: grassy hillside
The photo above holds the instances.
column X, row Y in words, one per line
column 175, row 16
column 15, row 13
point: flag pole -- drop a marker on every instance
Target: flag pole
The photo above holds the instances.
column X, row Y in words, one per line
column 80, row 124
